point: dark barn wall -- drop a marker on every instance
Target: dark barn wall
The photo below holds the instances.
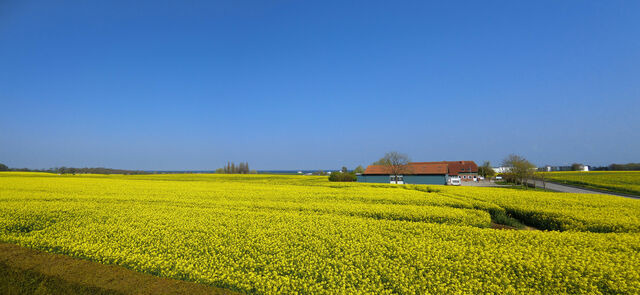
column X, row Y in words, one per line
column 425, row 179
column 373, row 178
column 408, row 179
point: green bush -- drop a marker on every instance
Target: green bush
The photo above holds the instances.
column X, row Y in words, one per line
column 342, row 176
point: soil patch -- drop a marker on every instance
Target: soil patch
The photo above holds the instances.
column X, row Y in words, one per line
column 27, row 271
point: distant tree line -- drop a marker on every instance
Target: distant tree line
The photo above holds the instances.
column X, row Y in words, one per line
column 624, row 167
column 232, row 168
column 612, row 167
column 72, row 170
column 96, row 170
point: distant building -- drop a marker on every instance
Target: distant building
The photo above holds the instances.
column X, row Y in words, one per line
column 549, row 168
column 423, row 173
column 501, row 169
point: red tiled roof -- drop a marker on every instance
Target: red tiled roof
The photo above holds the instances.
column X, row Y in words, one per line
column 442, row 167
column 456, row 167
column 413, row 168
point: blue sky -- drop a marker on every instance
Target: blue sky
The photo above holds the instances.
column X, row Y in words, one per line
column 183, row 85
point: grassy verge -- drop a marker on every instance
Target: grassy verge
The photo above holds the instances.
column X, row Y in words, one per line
column 26, row 271
column 520, row 186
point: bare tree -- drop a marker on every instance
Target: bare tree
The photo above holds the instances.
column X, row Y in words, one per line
column 396, row 163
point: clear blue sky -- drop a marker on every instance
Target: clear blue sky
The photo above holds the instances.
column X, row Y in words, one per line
column 309, row 85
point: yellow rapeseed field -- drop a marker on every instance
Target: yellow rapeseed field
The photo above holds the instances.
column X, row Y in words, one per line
column 616, row 181
column 296, row 234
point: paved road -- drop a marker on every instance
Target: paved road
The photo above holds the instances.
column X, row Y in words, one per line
column 553, row 187
column 572, row 189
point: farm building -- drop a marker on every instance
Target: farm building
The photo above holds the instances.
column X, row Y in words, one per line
column 423, row 173
column 466, row 170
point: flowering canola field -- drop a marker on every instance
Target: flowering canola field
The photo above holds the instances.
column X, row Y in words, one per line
column 616, row 181
column 292, row 234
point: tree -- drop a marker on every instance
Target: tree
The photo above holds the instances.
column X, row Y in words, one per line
column 380, row 162
column 358, row 169
column 3, row 167
column 395, row 163
column 232, row 168
column 344, row 169
column 485, row 170
column 576, row 167
column 519, row 168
